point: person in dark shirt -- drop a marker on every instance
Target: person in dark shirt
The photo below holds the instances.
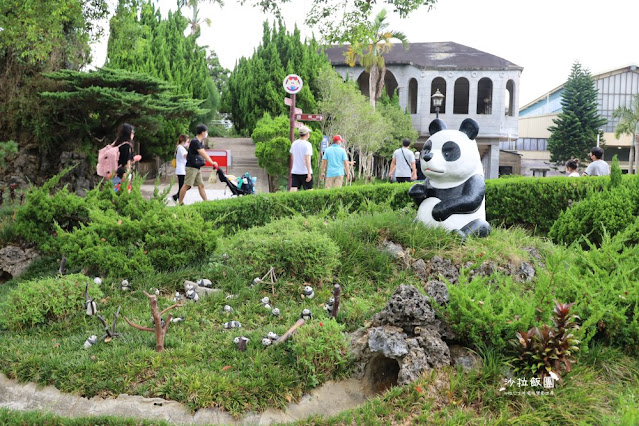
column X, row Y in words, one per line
column 124, row 142
column 194, row 160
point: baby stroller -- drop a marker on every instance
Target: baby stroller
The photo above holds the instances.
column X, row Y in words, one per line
column 245, row 184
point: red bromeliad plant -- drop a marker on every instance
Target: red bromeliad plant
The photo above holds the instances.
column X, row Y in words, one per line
column 540, row 351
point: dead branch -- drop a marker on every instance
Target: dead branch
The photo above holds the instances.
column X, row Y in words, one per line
column 139, row 327
column 158, row 329
column 300, row 322
column 177, row 305
column 110, row 332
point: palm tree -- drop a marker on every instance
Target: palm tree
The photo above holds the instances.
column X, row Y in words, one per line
column 195, row 21
column 628, row 123
column 369, row 43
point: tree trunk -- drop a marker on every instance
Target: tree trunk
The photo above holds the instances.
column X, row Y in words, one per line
column 372, row 84
column 636, row 154
column 631, row 159
column 272, row 183
column 380, row 84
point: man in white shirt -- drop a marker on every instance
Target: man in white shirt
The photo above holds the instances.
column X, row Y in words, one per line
column 403, row 164
column 301, row 151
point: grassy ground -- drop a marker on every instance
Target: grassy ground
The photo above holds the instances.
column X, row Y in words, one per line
column 201, row 366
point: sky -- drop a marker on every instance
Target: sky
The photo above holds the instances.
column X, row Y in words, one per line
column 545, row 37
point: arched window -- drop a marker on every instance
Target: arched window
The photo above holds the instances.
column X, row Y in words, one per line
column 510, row 98
column 460, row 99
column 485, row 96
column 412, row 96
column 390, row 83
column 438, row 83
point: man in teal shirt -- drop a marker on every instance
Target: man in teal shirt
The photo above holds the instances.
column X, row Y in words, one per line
column 335, row 164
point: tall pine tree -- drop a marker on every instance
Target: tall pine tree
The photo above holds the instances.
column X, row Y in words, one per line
column 577, row 125
column 255, row 85
column 143, row 42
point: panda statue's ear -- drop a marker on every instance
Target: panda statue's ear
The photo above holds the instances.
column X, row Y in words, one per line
column 470, row 127
column 435, row 126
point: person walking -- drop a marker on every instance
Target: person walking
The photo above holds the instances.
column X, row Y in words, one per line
column 124, row 143
column 301, row 151
column 403, row 164
column 335, row 164
column 180, row 163
column 571, row 168
column 598, row 167
column 195, row 159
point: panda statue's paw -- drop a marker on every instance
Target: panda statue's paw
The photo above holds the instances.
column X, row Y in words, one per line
column 459, row 233
column 418, row 193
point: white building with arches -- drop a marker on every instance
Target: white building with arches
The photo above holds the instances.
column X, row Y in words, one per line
column 475, row 84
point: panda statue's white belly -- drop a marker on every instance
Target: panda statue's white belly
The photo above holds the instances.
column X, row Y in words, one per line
column 453, row 222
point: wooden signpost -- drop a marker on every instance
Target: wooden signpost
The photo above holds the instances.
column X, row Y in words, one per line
column 292, row 85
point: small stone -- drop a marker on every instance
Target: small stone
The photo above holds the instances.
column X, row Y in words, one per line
column 97, row 280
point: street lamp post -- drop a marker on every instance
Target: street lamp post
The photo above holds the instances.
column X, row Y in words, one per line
column 437, row 98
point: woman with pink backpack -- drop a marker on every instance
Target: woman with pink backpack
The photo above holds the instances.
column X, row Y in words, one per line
column 124, row 143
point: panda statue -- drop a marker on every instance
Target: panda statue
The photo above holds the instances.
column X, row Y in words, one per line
column 452, row 195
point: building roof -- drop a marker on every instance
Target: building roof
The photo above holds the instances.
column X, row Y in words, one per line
column 445, row 55
column 631, row 67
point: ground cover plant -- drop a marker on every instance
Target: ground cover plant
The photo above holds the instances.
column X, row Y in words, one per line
column 202, row 367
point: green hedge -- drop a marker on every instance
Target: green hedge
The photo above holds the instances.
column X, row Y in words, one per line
column 534, row 203
column 257, row 210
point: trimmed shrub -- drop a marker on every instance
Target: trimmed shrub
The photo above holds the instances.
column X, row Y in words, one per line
column 245, row 212
column 293, row 246
column 36, row 220
column 606, row 211
column 38, row 302
column 532, row 203
column 160, row 240
column 321, row 351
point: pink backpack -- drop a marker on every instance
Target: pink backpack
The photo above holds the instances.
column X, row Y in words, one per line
column 108, row 160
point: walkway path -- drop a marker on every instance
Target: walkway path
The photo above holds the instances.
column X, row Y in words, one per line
column 327, row 400
column 243, row 160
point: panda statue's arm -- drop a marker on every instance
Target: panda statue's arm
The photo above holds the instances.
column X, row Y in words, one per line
column 469, row 201
column 420, row 191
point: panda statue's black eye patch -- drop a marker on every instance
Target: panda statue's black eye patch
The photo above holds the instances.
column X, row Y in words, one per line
column 427, row 146
column 451, row 151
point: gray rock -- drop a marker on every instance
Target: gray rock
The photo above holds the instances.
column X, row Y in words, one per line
column 396, row 251
column 14, row 260
column 438, row 268
column 526, row 272
column 413, row 366
column 420, row 269
column 390, row 341
column 436, row 351
column 407, row 308
column 201, row 291
column 438, row 290
column 464, row 357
